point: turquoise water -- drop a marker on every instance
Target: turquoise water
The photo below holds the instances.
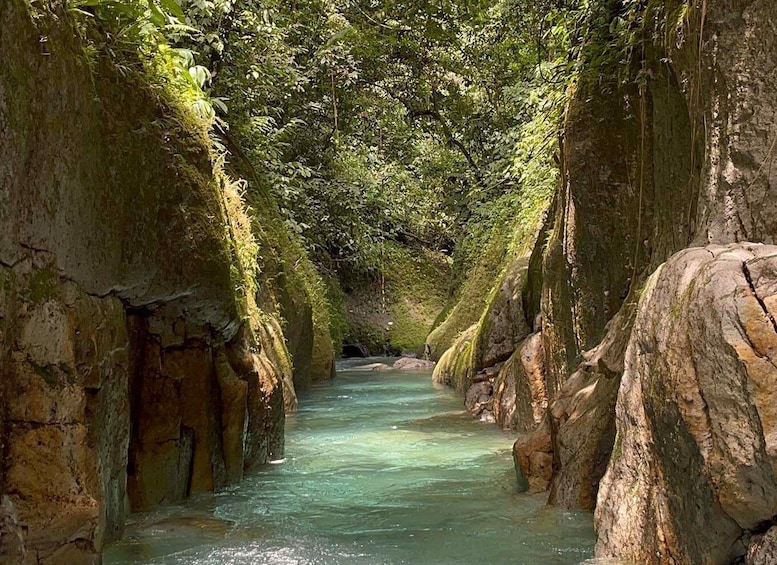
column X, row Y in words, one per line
column 380, row 468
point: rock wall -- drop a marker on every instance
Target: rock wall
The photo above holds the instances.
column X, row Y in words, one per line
column 675, row 150
column 292, row 290
column 694, row 146
column 133, row 367
column 645, row 175
column 694, row 461
column 508, row 316
column 392, row 313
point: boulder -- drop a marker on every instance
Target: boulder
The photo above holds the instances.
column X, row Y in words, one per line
column 413, row 364
column 692, row 472
column 479, row 399
column 533, row 459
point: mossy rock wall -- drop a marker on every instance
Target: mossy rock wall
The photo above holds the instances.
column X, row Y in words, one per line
column 134, row 364
column 394, row 313
column 292, row 288
column 468, row 304
column 506, row 309
column 647, row 171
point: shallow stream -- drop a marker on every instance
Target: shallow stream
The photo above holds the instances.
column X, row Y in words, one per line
column 380, row 468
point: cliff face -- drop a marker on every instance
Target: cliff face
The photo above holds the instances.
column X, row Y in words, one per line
column 692, row 161
column 693, row 465
column 678, row 154
column 136, row 370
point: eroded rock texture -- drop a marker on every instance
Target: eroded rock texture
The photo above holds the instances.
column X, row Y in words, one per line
column 520, row 398
column 694, row 460
column 645, row 173
column 123, row 343
column 582, row 417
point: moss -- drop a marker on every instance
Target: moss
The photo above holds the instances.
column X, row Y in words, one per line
column 289, row 285
column 454, row 367
column 471, row 300
column 617, row 451
column 43, row 285
column 394, row 314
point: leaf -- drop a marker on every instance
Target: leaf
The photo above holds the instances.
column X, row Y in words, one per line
column 200, row 74
column 185, row 55
column 218, row 104
column 172, row 7
column 157, row 16
column 203, row 109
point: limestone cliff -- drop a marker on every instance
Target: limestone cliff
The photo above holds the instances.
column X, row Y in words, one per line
column 692, row 160
column 693, row 465
column 136, row 366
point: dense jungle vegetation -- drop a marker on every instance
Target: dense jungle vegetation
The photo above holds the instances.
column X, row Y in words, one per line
column 387, row 132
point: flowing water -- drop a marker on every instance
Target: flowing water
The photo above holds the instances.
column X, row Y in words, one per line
column 380, row 468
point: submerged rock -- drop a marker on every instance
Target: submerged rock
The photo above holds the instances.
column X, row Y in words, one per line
column 693, row 468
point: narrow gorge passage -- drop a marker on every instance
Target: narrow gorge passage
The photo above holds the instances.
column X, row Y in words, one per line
column 380, row 468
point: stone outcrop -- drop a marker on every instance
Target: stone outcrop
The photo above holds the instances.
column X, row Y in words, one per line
column 504, row 323
column 694, row 461
column 133, row 369
column 520, row 399
column 454, row 367
column 582, row 417
column 645, row 173
column 533, row 459
column 412, row 364
column 479, row 398
column 509, row 317
column 763, row 548
column 679, row 154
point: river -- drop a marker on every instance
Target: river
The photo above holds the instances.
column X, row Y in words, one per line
column 380, row 468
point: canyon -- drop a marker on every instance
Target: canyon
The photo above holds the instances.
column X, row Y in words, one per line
column 157, row 321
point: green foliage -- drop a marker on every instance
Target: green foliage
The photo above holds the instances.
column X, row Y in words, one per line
column 376, row 122
column 610, row 40
column 137, row 35
column 372, row 121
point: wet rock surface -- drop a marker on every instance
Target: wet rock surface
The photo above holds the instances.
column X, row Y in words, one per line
column 520, row 398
